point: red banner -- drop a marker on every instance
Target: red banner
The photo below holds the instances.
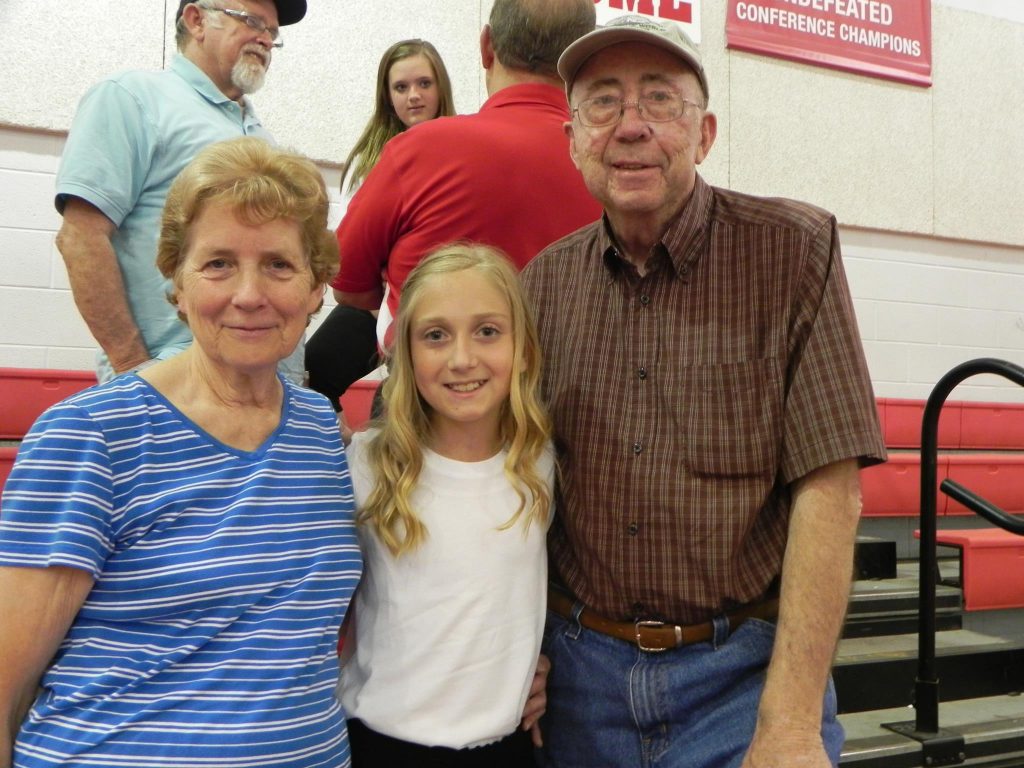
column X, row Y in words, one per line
column 892, row 40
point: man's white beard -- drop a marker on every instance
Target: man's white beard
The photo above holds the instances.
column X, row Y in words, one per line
column 248, row 75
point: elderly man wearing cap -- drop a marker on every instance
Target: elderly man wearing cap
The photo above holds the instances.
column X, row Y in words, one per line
column 712, row 406
column 133, row 132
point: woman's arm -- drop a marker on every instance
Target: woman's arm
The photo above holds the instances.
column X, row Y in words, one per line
column 37, row 606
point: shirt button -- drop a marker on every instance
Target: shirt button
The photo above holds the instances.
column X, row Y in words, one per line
column 633, row 529
column 645, row 299
column 641, row 372
column 638, row 448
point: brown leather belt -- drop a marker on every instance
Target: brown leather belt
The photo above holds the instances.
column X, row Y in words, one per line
column 656, row 636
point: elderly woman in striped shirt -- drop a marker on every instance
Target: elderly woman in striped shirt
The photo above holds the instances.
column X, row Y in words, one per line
column 177, row 547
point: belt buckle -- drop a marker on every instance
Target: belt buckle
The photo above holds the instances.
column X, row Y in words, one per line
column 654, row 624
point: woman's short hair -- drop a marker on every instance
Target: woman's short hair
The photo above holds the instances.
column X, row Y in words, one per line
column 261, row 183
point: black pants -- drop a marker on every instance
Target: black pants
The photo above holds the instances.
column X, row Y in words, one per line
column 375, row 750
column 343, row 350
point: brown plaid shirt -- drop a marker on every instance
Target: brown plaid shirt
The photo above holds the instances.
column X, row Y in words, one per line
column 686, row 401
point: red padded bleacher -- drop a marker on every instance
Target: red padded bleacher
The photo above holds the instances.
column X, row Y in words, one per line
column 991, row 567
column 963, row 425
column 987, row 426
column 25, row 393
column 999, row 478
column 893, row 489
column 7, row 454
column 901, row 423
column 356, row 402
column 981, row 446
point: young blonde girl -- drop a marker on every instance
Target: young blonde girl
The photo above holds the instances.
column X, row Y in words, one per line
column 454, row 494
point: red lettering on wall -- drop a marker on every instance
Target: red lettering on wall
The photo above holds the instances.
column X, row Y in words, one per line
column 676, row 10
column 645, row 7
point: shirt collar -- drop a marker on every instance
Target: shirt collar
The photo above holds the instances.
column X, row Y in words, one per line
column 683, row 242
column 204, row 86
column 528, row 93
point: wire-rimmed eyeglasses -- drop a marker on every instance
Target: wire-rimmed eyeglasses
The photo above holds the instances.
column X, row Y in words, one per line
column 653, row 106
column 255, row 23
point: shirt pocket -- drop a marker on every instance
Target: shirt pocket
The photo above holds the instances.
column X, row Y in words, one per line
column 731, row 414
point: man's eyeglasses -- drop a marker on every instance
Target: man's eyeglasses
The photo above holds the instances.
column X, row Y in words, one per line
column 653, row 106
column 254, row 23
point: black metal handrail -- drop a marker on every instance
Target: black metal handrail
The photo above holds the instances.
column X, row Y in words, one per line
column 927, row 682
column 982, row 507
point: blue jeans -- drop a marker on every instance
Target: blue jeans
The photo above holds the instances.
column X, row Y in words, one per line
column 611, row 704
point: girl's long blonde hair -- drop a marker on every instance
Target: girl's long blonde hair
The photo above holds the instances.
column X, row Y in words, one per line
column 384, row 124
column 396, row 451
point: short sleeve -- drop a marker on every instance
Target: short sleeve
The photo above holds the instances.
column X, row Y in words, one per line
column 830, row 412
column 108, row 152
column 57, row 505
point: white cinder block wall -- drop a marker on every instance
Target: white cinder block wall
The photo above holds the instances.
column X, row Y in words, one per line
column 924, row 306
column 926, row 183
column 39, row 326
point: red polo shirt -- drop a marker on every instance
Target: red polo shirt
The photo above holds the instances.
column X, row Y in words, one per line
column 502, row 177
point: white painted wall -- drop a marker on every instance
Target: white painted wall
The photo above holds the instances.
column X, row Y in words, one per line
column 925, row 305
column 1002, row 9
column 927, row 183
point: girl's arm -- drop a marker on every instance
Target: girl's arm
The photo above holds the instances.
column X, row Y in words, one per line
column 37, row 606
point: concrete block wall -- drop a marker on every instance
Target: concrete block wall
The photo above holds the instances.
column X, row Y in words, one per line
column 40, row 326
column 925, row 305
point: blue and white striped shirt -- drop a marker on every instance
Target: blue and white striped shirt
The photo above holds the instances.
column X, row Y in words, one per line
column 221, row 578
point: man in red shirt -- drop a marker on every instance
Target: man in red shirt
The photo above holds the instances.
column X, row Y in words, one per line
column 502, row 176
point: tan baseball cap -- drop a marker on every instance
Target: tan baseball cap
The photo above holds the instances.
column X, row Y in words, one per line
column 632, row 29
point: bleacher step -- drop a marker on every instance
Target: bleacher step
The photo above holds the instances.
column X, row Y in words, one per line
column 992, row 727
column 889, row 606
column 879, row 672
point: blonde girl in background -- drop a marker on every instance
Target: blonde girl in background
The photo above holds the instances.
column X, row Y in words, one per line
column 412, row 86
column 454, row 492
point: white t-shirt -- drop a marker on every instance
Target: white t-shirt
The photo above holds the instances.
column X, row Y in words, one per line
column 445, row 639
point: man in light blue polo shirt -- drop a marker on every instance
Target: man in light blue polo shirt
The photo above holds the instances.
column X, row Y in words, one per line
column 132, row 134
